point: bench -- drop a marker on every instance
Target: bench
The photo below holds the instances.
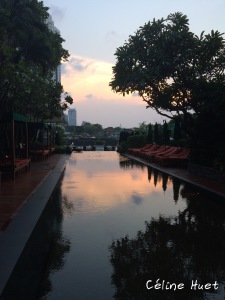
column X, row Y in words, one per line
column 7, row 167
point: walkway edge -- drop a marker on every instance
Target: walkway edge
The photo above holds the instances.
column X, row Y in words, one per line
column 16, row 235
column 184, row 177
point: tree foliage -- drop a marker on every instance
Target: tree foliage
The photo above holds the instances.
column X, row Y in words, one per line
column 166, row 134
column 178, row 74
column 171, row 68
column 150, row 134
column 29, row 55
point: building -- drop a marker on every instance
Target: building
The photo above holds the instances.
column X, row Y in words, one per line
column 66, row 118
column 72, row 117
column 51, row 26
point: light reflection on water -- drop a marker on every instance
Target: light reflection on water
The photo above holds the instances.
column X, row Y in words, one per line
column 98, row 183
column 106, row 197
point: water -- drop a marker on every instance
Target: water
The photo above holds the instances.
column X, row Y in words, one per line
column 120, row 224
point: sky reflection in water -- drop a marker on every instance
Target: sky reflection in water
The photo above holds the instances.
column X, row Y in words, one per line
column 106, row 197
column 97, row 182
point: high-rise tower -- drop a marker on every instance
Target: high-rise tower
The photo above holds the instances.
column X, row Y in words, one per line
column 51, row 26
column 72, row 117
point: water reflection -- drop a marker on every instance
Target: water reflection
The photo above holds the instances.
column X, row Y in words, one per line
column 176, row 189
column 137, row 198
column 165, row 178
column 60, row 244
column 47, row 235
column 99, row 185
column 128, row 163
column 176, row 249
column 106, row 197
column 158, row 177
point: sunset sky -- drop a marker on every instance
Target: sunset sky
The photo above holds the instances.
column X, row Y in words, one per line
column 93, row 30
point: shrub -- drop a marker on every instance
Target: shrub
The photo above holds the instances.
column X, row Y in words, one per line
column 136, row 141
column 60, row 149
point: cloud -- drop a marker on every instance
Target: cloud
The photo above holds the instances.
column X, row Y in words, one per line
column 84, row 76
column 137, row 199
column 79, row 64
column 89, row 96
column 87, row 81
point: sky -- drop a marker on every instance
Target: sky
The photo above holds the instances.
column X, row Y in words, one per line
column 94, row 29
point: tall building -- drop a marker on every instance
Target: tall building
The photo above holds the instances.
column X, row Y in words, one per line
column 72, row 117
column 51, row 26
column 66, row 118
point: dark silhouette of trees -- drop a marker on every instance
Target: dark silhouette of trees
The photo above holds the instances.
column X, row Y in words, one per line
column 157, row 138
column 166, row 134
column 150, row 134
column 170, row 67
column 180, row 75
column 29, row 55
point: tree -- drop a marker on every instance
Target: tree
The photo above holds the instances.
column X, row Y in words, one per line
column 156, row 133
column 29, row 55
column 143, row 128
column 177, row 132
column 173, row 70
column 97, row 129
column 59, row 135
column 150, row 134
column 166, row 134
column 180, row 75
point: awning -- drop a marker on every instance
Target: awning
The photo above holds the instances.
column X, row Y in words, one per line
column 7, row 117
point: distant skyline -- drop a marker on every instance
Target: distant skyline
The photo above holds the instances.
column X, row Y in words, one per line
column 93, row 30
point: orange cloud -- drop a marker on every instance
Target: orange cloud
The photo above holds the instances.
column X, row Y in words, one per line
column 85, row 76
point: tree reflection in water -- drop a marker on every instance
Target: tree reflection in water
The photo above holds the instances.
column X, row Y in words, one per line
column 47, row 234
column 59, row 246
column 128, row 163
column 177, row 249
column 165, row 178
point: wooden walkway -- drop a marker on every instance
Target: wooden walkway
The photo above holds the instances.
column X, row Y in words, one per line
column 14, row 194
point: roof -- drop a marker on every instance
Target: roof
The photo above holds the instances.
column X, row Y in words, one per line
column 10, row 116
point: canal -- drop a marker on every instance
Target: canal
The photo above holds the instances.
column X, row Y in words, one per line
column 118, row 229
